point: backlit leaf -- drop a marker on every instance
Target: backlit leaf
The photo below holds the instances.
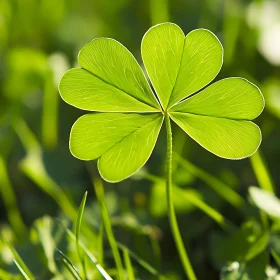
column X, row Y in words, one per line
column 112, row 82
column 86, row 91
column 226, row 138
column 111, row 63
column 123, row 142
column 177, row 65
column 232, row 98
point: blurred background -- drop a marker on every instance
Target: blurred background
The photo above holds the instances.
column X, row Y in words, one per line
column 41, row 184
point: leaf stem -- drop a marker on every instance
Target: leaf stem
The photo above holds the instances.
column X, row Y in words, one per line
column 171, row 211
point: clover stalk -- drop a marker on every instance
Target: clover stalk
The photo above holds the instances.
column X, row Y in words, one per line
column 171, row 211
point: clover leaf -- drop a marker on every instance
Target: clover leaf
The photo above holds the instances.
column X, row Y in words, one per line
column 124, row 130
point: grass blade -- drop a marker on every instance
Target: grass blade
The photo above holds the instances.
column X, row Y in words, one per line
column 262, row 172
column 9, row 199
column 78, row 229
column 129, row 268
column 275, row 256
column 69, row 266
column 91, row 257
column 50, row 112
column 100, row 245
column 98, row 186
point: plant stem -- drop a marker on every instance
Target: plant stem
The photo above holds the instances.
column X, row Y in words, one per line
column 171, row 211
column 10, row 200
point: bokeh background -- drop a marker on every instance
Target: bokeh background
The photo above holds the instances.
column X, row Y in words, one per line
column 41, row 184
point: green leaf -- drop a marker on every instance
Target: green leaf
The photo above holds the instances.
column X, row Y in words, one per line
column 83, row 90
column 217, row 117
column 225, row 138
column 177, row 65
column 123, row 142
column 231, row 98
column 266, row 201
column 111, row 80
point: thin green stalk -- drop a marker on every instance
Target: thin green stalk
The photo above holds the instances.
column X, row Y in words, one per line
column 90, row 256
column 70, row 269
column 275, row 256
column 156, row 250
column 78, row 229
column 10, row 201
column 159, row 11
column 129, row 268
column 69, row 265
column 100, row 245
column 171, row 211
column 50, row 112
column 262, row 172
column 98, row 186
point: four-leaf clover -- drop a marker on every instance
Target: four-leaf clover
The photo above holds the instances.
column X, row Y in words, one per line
column 123, row 131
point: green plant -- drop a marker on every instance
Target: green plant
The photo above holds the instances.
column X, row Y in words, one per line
column 123, row 133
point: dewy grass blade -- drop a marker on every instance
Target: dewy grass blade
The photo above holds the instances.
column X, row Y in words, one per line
column 98, row 186
column 78, row 229
column 128, row 265
column 262, row 172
